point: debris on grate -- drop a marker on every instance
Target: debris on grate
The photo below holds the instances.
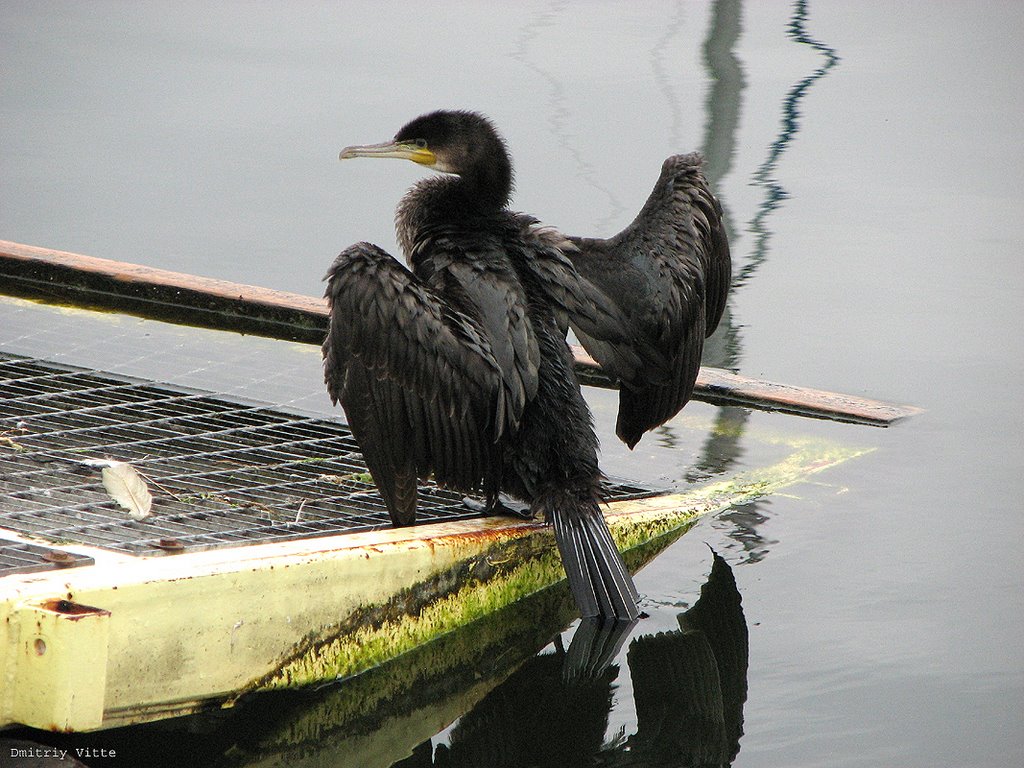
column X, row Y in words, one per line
column 222, row 472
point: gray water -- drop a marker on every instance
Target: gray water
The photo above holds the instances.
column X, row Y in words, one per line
column 869, row 159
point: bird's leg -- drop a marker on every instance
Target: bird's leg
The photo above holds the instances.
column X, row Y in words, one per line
column 500, row 504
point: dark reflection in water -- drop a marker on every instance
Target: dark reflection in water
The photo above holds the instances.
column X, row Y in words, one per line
column 689, row 687
column 533, row 718
column 765, row 175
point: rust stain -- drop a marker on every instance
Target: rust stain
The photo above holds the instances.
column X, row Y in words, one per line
column 74, row 611
column 171, row 545
column 58, row 557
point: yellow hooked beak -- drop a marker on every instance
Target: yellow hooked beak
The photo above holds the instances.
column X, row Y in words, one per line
column 405, row 150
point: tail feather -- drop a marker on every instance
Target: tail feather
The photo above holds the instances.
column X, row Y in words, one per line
column 594, row 648
column 597, row 576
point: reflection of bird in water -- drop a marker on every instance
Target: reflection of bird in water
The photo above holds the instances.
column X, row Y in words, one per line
column 460, row 367
column 563, row 724
column 689, row 687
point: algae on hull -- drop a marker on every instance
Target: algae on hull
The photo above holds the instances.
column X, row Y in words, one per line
column 641, row 528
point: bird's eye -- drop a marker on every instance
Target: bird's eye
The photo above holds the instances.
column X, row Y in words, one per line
column 421, row 143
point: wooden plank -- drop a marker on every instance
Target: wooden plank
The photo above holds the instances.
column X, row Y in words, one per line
column 724, row 388
column 62, row 277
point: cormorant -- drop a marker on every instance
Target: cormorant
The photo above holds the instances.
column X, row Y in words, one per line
column 460, row 367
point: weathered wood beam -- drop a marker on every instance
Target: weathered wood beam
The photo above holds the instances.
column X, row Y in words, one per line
column 60, row 277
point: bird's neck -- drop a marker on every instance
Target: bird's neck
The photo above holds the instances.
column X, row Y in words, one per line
column 452, row 201
column 480, row 190
column 486, row 188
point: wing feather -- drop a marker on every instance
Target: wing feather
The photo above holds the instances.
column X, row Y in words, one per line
column 498, row 301
column 665, row 278
column 416, row 376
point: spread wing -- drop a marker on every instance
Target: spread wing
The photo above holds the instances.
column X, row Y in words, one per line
column 544, row 263
column 417, row 377
column 667, row 277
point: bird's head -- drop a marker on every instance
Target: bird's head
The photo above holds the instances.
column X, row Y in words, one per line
column 447, row 140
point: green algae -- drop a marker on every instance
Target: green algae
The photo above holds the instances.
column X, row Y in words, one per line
column 521, row 564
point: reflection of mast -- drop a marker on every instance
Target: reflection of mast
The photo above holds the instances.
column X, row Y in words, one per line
column 722, row 447
column 663, row 68
column 723, row 102
column 764, row 176
column 559, row 113
column 722, row 106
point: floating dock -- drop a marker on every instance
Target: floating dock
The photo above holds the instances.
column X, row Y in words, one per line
column 268, row 559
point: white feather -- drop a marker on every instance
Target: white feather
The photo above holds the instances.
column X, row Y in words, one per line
column 128, row 489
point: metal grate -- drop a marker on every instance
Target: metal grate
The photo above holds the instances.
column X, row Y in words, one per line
column 19, row 557
column 222, row 472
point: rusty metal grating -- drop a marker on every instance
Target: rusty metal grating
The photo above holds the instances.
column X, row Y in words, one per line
column 222, row 472
column 21, row 557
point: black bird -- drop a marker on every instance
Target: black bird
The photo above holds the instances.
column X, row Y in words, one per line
column 460, row 368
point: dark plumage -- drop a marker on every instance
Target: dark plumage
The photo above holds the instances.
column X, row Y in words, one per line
column 460, row 369
column 668, row 276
